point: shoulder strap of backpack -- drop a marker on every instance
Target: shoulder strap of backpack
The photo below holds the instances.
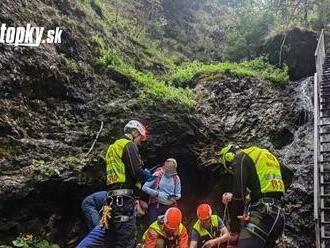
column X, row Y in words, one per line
column 160, row 173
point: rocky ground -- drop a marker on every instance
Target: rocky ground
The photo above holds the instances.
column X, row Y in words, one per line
column 54, row 98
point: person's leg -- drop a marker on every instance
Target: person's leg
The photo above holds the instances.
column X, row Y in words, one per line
column 254, row 242
column 152, row 213
column 90, row 212
column 99, row 198
column 122, row 234
column 264, row 228
column 247, row 239
column 162, row 209
column 277, row 229
column 94, row 239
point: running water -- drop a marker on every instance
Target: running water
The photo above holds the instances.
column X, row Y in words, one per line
column 299, row 156
column 299, row 151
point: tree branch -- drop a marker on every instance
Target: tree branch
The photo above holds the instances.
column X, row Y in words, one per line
column 97, row 136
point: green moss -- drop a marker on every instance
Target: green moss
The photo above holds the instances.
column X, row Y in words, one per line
column 6, row 150
column 257, row 67
column 71, row 64
column 40, row 167
column 70, row 159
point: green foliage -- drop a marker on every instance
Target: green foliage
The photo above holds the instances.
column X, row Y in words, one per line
column 235, row 47
column 157, row 89
column 28, row 241
column 257, row 67
column 71, row 64
column 153, row 88
column 40, row 167
column 107, row 56
column 243, row 40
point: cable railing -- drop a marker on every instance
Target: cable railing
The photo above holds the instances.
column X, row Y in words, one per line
column 319, row 61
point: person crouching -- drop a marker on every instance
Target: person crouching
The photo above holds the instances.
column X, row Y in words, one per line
column 167, row 231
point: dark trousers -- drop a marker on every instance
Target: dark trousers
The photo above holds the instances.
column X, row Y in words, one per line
column 155, row 210
column 119, row 234
column 271, row 222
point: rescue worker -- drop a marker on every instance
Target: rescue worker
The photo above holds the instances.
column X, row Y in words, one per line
column 124, row 169
column 164, row 189
column 92, row 206
column 209, row 230
column 258, row 171
column 167, row 231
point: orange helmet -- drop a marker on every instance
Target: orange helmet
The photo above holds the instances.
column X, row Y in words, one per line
column 172, row 218
column 204, row 211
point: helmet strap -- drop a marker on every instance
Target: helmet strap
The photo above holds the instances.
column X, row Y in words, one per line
column 130, row 136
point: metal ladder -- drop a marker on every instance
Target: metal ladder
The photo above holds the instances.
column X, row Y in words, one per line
column 324, row 132
column 322, row 146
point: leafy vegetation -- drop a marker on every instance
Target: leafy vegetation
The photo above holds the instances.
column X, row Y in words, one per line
column 28, row 241
column 255, row 21
column 257, row 67
column 174, row 86
column 153, row 88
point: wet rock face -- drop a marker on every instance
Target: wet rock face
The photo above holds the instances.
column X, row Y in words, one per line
column 51, row 112
column 249, row 111
column 297, row 52
column 245, row 110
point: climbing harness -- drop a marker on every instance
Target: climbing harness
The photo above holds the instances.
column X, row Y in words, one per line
column 106, row 210
column 268, row 206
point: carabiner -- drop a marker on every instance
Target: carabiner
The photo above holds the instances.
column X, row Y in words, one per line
column 120, row 202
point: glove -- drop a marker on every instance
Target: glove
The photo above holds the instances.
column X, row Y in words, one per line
column 148, row 175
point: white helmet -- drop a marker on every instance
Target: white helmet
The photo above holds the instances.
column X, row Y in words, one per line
column 133, row 124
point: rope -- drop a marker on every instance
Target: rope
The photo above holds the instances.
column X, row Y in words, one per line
column 226, row 217
column 106, row 215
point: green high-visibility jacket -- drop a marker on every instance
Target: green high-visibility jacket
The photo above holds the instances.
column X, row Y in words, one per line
column 268, row 169
column 115, row 166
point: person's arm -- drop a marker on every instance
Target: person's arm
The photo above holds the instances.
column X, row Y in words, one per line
column 239, row 188
column 178, row 189
column 287, row 175
column 184, row 239
column 147, row 188
column 133, row 162
column 151, row 239
column 194, row 239
column 224, row 235
column 217, row 241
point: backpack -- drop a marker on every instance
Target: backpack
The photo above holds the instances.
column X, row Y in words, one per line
column 159, row 173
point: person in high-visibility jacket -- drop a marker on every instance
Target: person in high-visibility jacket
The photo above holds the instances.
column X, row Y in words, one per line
column 209, row 230
column 167, row 231
column 257, row 171
column 124, row 170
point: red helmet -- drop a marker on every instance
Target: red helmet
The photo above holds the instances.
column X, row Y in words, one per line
column 172, row 218
column 204, row 211
column 133, row 124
